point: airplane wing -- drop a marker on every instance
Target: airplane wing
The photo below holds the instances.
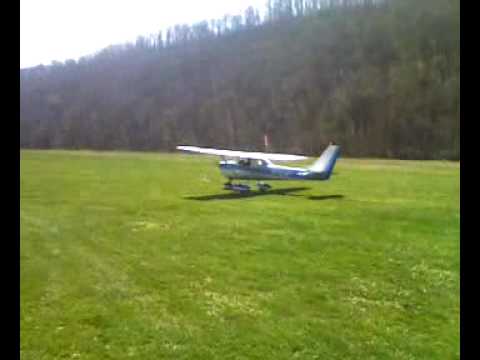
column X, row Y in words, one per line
column 243, row 154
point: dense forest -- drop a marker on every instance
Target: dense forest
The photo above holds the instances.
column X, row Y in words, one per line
column 380, row 78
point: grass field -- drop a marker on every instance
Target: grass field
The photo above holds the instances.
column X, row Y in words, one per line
column 144, row 256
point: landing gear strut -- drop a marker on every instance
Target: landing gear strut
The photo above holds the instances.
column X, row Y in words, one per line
column 241, row 188
column 263, row 187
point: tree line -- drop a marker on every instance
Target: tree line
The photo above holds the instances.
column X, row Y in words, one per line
column 381, row 78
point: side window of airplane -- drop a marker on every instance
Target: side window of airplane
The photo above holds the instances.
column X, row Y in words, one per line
column 259, row 163
column 252, row 163
column 245, row 162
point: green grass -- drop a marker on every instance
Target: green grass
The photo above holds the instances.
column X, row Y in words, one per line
column 144, row 256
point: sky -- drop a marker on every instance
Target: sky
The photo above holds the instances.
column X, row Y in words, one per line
column 68, row 29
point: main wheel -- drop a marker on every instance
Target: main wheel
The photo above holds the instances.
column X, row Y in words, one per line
column 263, row 187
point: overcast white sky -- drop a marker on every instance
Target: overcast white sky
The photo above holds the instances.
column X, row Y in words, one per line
column 68, row 29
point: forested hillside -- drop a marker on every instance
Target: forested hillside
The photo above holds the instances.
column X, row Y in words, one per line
column 381, row 78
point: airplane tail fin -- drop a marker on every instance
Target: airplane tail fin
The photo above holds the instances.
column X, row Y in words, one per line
column 325, row 163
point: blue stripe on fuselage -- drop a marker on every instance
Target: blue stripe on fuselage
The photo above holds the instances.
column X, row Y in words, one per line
column 236, row 171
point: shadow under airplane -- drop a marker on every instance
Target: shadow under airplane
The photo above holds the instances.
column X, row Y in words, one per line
column 282, row 192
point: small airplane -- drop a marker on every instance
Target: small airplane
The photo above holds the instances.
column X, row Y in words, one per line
column 244, row 165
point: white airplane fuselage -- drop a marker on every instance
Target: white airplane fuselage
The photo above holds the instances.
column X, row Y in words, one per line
column 266, row 170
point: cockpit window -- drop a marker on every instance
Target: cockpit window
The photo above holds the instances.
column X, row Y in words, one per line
column 251, row 163
column 244, row 162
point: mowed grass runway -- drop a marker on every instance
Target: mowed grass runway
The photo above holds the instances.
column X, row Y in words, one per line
column 144, row 256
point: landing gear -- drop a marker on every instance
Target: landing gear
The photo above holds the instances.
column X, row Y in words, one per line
column 263, row 187
column 241, row 188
